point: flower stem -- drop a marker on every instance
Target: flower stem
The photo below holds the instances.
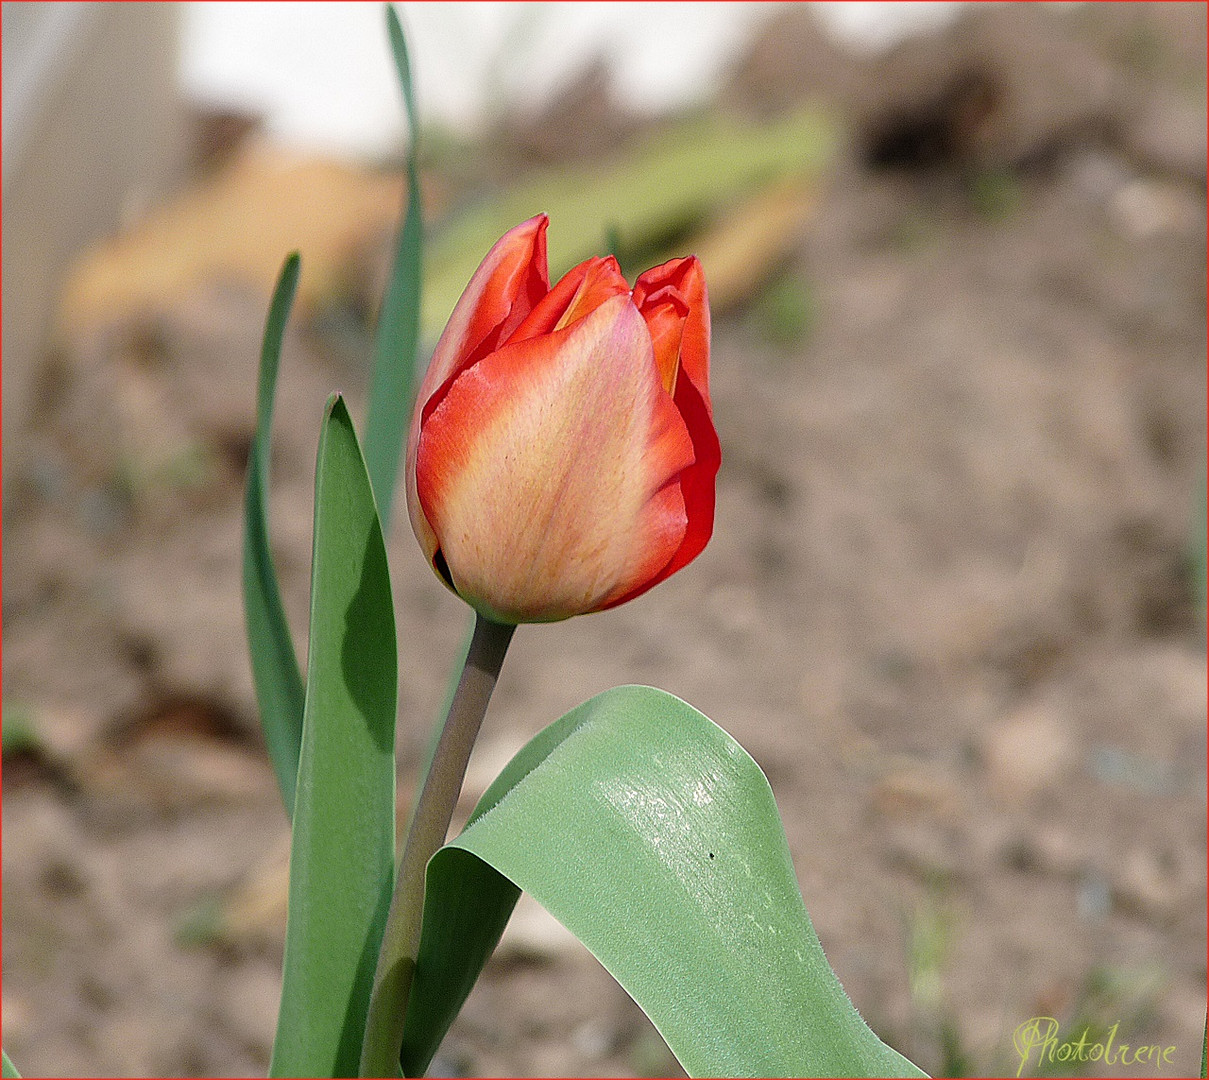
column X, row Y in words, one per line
column 439, row 796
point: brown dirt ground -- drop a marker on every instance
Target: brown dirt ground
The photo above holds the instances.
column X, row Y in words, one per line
column 947, row 606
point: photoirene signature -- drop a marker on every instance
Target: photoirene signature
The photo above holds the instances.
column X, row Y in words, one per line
column 1037, row 1040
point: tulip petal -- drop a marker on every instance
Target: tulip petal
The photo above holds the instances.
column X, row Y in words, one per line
column 665, row 313
column 549, row 470
column 688, row 280
column 697, row 482
column 659, row 294
column 693, row 493
column 581, row 290
column 509, row 282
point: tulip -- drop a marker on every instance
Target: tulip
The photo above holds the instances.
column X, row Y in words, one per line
column 562, row 451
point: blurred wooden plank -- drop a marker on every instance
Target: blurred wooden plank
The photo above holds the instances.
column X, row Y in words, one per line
column 739, row 191
column 744, row 247
column 238, row 227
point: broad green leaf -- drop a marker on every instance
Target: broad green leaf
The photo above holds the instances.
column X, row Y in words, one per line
column 342, row 858
column 275, row 672
column 652, row 836
column 393, row 382
column 9, row 1068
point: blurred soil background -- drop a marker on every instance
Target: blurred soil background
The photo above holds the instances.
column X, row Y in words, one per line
column 953, row 605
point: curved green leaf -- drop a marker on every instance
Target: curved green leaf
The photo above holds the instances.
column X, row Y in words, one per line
column 653, row 836
column 342, row 858
column 393, row 383
column 275, row 671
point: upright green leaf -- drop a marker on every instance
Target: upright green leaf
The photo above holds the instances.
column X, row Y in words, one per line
column 1197, row 550
column 342, row 858
column 9, row 1068
column 275, row 672
column 652, row 836
column 1205, row 1048
column 393, row 382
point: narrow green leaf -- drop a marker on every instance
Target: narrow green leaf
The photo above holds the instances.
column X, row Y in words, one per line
column 652, row 836
column 393, row 383
column 1205, row 1048
column 612, row 240
column 342, row 859
column 1197, row 551
column 275, row 672
column 9, row 1068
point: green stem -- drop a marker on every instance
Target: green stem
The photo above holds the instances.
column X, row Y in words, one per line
column 439, row 796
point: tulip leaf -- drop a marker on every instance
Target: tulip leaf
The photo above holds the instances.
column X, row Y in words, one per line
column 653, row 836
column 343, row 849
column 9, row 1068
column 394, row 368
column 275, row 671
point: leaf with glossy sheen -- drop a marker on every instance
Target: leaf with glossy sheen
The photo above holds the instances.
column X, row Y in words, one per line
column 343, row 850
column 275, row 671
column 393, row 384
column 653, row 836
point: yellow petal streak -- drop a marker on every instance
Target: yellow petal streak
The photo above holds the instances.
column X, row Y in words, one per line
column 548, row 471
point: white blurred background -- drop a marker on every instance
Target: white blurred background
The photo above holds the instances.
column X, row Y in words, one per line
column 322, row 76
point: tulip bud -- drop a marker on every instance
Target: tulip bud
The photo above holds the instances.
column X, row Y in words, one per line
column 562, row 452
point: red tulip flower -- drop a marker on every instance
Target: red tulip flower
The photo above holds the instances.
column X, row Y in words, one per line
column 562, row 453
